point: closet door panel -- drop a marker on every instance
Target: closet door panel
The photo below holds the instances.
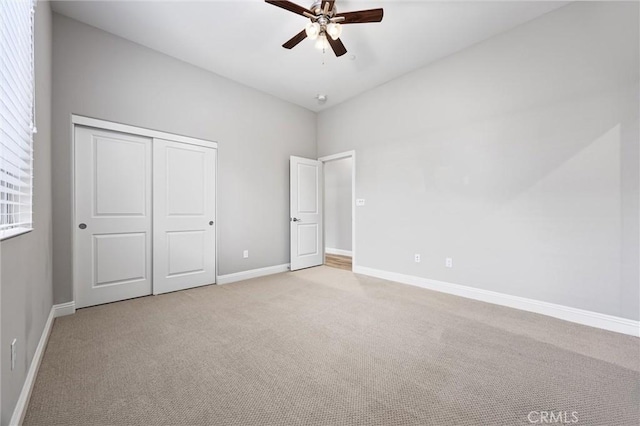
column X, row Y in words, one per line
column 112, row 237
column 184, row 216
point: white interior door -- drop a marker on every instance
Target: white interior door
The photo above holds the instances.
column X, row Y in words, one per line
column 184, row 216
column 113, row 216
column 306, row 213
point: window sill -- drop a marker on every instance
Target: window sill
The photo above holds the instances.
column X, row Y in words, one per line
column 14, row 232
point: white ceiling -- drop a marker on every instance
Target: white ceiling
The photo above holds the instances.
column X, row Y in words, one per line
column 242, row 39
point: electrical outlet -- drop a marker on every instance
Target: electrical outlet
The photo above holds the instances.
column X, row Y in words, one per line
column 13, row 353
column 448, row 262
column 245, row 254
column 416, row 257
column 360, row 202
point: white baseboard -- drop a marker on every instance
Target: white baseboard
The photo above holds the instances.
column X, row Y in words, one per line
column 63, row 309
column 23, row 400
column 580, row 316
column 340, row 252
column 253, row 273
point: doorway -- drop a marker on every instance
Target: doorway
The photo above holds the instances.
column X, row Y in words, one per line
column 339, row 210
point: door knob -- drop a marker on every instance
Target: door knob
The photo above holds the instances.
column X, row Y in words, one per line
column 295, row 219
column 210, row 222
column 82, row 226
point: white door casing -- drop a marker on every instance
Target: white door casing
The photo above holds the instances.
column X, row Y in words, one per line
column 183, row 216
column 112, row 247
column 306, row 221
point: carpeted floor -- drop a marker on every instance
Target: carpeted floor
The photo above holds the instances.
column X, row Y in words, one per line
column 323, row 346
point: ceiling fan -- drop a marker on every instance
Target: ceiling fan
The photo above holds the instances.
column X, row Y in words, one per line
column 325, row 23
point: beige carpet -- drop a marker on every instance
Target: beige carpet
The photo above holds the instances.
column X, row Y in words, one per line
column 326, row 347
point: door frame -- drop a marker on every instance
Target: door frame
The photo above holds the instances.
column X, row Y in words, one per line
column 80, row 120
column 339, row 156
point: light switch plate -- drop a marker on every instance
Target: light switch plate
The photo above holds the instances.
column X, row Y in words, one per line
column 360, row 202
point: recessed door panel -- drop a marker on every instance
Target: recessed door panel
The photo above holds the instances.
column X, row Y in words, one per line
column 308, row 188
column 112, row 241
column 119, row 258
column 186, row 252
column 307, row 239
column 121, row 176
column 185, row 181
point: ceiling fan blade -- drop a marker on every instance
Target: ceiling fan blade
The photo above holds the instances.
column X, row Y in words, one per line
column 337, row 46
column 362, row 16
column 287, row 5
column 295, row 40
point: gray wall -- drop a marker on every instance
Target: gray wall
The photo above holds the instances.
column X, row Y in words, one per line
column 26, row 291
column 337, row 204
column 517, row 157
column 103, row 76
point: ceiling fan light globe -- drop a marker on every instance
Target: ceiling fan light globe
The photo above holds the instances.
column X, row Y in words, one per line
column 313, row 30
column 322, row 43
column 334, row 30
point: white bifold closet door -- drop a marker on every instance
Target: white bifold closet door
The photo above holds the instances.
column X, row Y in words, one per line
column 113, row 242
column 183, row 216
column 140, row 202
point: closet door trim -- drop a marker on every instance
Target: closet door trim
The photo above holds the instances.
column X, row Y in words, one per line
column 140, row 131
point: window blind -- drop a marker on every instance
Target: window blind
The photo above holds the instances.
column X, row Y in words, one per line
column 17, row 121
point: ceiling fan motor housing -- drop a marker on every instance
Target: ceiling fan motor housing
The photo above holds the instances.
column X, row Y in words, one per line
column 316, row 8
column 322, row 20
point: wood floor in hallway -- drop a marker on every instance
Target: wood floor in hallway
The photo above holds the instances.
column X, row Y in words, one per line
column 338, row 261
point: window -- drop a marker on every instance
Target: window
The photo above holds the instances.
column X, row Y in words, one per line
column 17, row 122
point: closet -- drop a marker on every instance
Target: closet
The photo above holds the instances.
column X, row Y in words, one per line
column 144, row 212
